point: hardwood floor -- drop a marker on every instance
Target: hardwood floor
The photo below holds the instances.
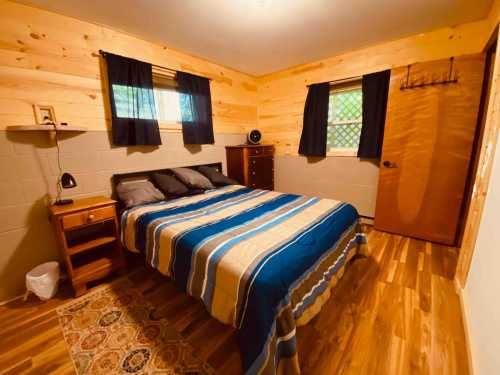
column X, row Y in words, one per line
column 395, row 312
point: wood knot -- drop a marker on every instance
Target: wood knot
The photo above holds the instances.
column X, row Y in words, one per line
column 35, row 36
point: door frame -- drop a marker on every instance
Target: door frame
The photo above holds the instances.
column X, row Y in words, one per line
column 481, row 181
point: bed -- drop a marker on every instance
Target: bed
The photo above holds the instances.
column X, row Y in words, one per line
column 261, row 261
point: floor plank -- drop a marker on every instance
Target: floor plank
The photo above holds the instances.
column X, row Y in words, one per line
column 394, row 312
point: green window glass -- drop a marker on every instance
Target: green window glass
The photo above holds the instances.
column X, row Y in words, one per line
column 162, row 103
column 344, row 119
column 134, row 102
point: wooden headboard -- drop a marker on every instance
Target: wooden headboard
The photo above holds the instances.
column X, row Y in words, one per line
column 121, row 176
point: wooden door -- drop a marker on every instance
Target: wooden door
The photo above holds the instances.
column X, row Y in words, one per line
column 427, row 148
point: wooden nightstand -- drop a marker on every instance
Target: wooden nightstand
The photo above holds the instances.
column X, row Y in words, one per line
column 89, row 239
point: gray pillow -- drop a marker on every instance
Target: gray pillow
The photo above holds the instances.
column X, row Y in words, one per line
column 193, row 179
column 132, row 193
column 169, row 185
column 217, row 178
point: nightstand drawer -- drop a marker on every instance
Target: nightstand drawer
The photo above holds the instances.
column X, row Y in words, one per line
column 88, row 217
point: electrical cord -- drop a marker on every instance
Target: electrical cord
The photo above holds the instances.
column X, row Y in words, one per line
column 59, row 187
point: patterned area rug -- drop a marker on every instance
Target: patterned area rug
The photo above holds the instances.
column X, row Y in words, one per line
column 113, row 330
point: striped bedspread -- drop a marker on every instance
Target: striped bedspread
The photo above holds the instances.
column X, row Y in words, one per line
column 259, row 260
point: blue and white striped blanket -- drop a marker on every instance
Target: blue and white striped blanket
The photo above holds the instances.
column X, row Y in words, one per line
column 257, row 259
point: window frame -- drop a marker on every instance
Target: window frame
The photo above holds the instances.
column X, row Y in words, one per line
column 337, row 88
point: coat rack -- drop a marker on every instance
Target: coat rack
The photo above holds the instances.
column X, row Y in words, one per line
column 447, row 78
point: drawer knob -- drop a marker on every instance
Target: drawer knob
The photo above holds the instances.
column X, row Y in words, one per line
column 91, row 217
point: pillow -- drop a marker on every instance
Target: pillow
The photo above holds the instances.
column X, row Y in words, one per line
column 192, row 178
column 132, row 193
column 195, row 191
column 217, row 178
column 169, row 185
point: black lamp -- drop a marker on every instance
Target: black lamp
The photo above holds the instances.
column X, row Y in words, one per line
column 65, row 180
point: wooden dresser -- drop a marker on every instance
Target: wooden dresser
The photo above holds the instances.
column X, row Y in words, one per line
column 89, row 239
column 251, row 165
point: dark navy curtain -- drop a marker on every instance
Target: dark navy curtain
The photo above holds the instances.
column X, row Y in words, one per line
column 314, row 129
column 196, row 109
column 375, row 92
column 132, row 101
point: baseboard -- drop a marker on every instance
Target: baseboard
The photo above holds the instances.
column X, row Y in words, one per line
column 465, row 320
column 367, row 220
column 63, row 280
column 2, row 303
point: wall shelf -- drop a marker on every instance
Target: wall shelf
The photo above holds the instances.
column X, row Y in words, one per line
column 46, row 128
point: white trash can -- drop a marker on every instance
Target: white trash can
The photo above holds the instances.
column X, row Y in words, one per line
column 43, row 279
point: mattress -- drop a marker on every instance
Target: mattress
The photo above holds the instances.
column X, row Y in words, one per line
column 260, row 260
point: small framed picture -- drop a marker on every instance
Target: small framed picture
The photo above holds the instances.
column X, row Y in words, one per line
column 44, row 114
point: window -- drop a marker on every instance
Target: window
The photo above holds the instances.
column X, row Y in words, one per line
column 133, row 102
column 344, row 119
column 167, row 102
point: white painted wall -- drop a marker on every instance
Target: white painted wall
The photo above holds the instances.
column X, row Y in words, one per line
column 345, row 179
column 482, row 292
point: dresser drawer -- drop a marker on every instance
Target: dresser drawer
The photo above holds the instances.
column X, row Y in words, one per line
column 259, row 164
column 265, row 183
column 261, row 173
column 88, row 217
column 261, row 151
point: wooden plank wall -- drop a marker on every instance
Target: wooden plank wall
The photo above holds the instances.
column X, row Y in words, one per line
column 281, row 98
column 281, row 95
column 46, row 58
column 53, row 59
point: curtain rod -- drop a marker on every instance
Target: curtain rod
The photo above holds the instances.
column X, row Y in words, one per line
column 104, row 53
column 343, row 80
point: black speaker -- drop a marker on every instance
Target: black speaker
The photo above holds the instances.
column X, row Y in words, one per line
column 254, row 137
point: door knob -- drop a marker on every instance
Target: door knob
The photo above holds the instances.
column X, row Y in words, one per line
column 389, row 164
